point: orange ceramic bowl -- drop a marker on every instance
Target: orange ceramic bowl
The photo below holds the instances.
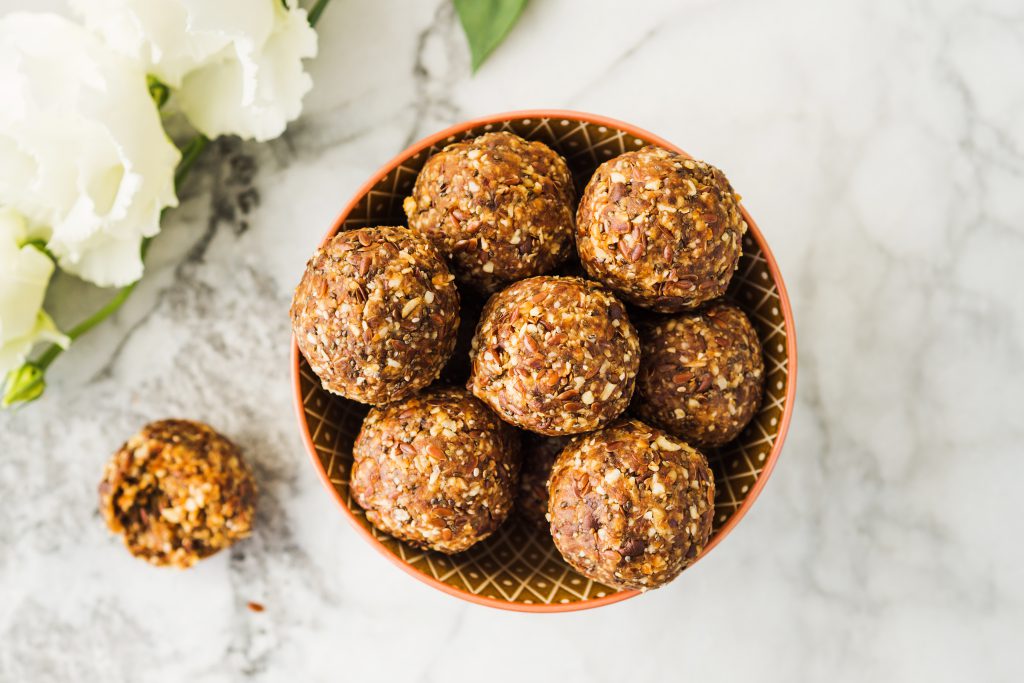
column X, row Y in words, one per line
column 518, row 568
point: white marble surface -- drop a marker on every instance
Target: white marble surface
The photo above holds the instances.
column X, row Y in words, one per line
column 879, row 144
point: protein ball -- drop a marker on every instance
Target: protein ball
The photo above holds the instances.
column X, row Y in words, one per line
column 701, row 375
column 177, row 492
column 500, row 207
column 631, row 506
column 376, row 314
column 661, row 230
column 539, row 454
column 555, row 355
column 437, row 470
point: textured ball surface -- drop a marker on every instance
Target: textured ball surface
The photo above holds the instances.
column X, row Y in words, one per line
column 539, row 455
column 376, row 314
column 631, row 506
column 177, row 492
column 701, row 374
column 661, row 230
column 555, row 355
column 499, row 207
column 437, row 470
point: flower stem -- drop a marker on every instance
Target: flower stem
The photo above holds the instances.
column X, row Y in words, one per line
column 316, row 11
column 81, row 328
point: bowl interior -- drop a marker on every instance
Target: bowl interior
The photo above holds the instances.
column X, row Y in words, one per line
column 519, row 567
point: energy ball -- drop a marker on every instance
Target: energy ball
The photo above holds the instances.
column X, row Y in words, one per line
column 177, row 492
column 376, row 314
column 661, row 230
column 539, row 454
column 555, row 355
column 498, row 206
column 631, row 506
column 701, row 375
column 437, row 470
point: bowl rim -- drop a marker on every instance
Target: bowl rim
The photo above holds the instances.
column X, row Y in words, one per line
column 785, row 307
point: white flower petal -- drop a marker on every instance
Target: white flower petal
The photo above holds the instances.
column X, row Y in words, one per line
column 236, row 65
column 110, row 259
column 24, row 275
column 14, row 352
column 82, row 149
column 254, row 100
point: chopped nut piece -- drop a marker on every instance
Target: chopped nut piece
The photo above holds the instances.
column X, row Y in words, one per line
column 410, row 306
column 667, row 444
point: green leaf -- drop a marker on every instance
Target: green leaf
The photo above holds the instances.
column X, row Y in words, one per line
column 486, row 23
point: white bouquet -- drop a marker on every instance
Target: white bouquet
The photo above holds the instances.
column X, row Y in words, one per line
column 86, row 168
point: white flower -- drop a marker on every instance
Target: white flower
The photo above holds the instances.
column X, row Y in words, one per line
column 236, row 65
column 82, row 151
column 24, row 275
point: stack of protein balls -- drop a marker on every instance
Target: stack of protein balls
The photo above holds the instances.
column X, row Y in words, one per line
column 555, row 359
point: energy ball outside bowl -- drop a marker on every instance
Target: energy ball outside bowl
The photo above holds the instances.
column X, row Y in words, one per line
column 555, row 355
column 376, row 314
column 498, row 206
column 701, row 374
column 177, row 492
column 539, row 455
column 631, row 506
column 437, row 470
column 661, row 230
